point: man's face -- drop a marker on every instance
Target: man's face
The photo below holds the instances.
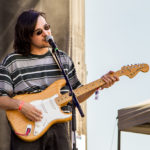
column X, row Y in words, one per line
column 42, row 29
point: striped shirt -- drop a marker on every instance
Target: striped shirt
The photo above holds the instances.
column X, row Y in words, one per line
column 29, row 74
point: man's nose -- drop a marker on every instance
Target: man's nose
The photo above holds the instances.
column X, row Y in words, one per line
column 46, row 32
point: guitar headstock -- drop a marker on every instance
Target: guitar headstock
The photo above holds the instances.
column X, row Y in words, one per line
column 132, row 70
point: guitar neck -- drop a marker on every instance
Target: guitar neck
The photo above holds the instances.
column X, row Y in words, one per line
column 83, row 90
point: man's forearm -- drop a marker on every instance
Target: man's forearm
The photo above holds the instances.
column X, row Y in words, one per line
column 8, row 103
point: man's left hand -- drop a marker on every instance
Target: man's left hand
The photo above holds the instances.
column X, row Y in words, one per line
column 109, row 79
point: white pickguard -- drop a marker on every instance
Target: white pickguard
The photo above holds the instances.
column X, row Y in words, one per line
column 50, row 111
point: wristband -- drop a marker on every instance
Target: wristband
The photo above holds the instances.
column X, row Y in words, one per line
column 21, row 104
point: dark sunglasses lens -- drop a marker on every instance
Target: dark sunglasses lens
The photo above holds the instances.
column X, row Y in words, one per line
column 39, row 32
column 47, row 27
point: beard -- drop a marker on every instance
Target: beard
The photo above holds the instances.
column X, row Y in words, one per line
column 40, row 46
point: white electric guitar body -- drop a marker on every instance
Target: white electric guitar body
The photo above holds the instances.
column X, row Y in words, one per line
column 50, row 101
column 50, row 111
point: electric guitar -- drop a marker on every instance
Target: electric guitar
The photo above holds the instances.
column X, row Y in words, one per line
column 50, row 101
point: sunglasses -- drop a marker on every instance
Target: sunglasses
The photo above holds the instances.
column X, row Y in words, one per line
column 40, row 31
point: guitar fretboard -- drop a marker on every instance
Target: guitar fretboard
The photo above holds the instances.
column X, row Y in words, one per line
column 83, row 90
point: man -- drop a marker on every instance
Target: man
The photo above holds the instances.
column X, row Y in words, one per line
column 30, row 69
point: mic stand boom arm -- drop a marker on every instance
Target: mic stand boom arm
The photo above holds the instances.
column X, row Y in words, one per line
column 74, row 98
column 75, row 102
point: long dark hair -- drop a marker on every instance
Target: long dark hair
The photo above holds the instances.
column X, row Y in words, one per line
column 24, row 29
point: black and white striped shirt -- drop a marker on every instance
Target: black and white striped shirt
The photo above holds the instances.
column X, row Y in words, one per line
column 28, row 74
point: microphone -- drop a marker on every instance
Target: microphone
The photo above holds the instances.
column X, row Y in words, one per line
column 50, row 40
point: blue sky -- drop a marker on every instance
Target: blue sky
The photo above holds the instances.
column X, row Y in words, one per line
column 117, row 34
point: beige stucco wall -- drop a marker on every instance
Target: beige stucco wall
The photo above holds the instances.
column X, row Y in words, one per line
column 66, row 18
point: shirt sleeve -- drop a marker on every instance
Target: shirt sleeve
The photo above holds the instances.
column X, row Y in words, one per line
column 72, row 75
column 6, row 86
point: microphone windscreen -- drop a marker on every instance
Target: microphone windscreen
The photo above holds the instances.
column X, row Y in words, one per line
column 49, row 37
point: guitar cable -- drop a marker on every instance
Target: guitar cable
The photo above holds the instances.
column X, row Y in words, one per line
column 28, row 130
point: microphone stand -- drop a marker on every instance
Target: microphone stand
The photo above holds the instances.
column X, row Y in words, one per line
column 75, row 102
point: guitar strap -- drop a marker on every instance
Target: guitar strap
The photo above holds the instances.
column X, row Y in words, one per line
column 67, row 108
column 54, row 58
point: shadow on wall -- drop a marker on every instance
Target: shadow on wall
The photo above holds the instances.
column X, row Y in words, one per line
column 9, row 11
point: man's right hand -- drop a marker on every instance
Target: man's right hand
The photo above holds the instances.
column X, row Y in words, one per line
column 31, row 112
column 27, row 109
